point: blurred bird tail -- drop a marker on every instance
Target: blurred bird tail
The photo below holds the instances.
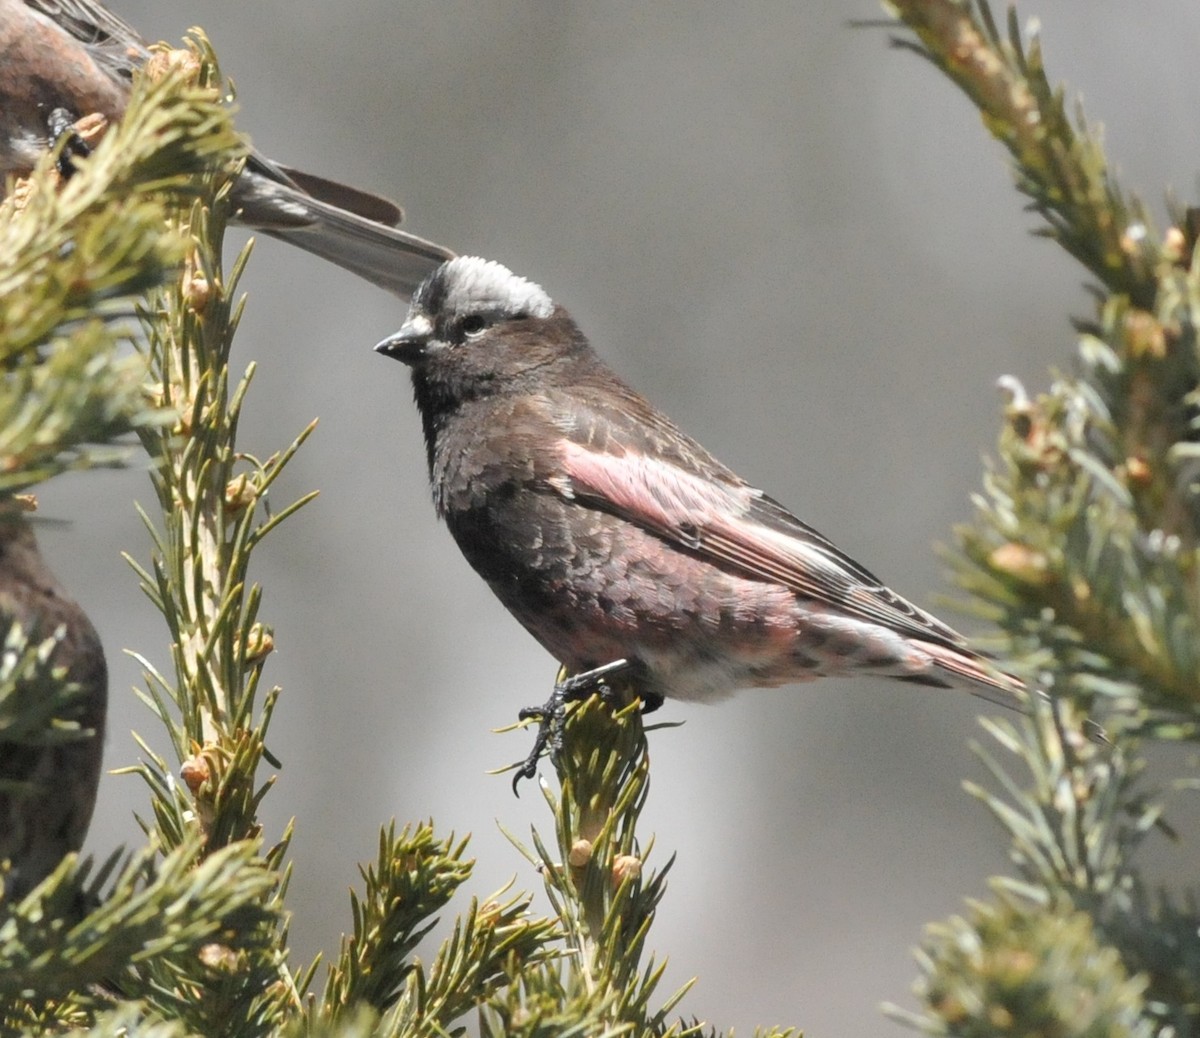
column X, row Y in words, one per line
column 344, row 225
column 366, row 204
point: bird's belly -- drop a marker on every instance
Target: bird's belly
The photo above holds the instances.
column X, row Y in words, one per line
column 592, row 588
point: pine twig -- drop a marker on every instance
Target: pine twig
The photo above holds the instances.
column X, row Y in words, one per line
column 1062, row 170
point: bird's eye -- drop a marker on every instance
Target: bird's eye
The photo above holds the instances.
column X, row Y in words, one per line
column 473, row 324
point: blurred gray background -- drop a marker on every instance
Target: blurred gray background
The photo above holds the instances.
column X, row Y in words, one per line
column 804, row 247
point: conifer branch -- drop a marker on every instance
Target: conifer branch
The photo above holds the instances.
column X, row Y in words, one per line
column 131, row 1021
column 1006, row 968
column 414, row 877
column 163, row 911
column 215, row 511
column 598, row 886
column 604, row 898
column 1059, row 164
column 1085, row 549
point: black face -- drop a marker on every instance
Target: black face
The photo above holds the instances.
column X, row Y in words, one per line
column 458, row 329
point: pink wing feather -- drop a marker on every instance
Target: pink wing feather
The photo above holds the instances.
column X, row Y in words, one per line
column 741, row 529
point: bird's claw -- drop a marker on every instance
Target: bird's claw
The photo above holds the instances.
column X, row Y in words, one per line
column 63, row 136
column 552, row 714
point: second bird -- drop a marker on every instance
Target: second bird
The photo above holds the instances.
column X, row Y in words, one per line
column 65, row 59
column 49, row 775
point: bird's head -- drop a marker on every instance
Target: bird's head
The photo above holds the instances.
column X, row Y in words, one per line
column 475, row 327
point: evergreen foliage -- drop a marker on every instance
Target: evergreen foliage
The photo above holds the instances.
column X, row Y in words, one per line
column 1084, row 550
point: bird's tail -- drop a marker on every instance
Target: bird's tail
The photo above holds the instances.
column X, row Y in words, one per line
column 352, row 228
column 978, row 675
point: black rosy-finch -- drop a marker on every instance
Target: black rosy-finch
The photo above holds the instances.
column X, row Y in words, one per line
column 48, row 780
column 612, row 535
column 61, row 60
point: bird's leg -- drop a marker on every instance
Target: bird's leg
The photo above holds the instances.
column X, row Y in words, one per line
column 63, row 136
column 551, row 715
